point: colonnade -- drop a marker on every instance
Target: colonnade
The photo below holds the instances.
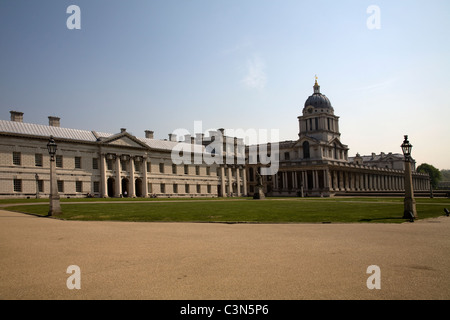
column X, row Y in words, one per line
column 337, row 179
column 123, row 177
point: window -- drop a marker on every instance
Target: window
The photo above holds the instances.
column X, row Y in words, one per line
column 137, row 166
column 186, row 169
column 110, row 164
column 175, row 188
column 197, row 170
column 198, row 188
column 38, row 160
column 96, row 186
column 78, row 186
column 174, row 169
column 17, row 158
column 123, row 165
column 41, row 185
column 59, row 161
column 163, row 188
column 77, row 162
column 316, row 120
column 306, row 154
column 208, row 171
column 186, row 188
column 94, row 163
column 17, row 185
column 286, row 156
column 161, row 167
column 149, row 167
column 60, row 186
column 209, row 188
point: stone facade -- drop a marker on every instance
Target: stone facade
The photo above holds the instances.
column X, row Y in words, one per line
column 98, row 164
column 317, row 164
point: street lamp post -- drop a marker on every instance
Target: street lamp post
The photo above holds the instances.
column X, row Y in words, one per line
column 55, row 206
column 410, row 211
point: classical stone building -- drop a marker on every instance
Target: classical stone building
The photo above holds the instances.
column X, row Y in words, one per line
column 96, row 163
column 317, row 164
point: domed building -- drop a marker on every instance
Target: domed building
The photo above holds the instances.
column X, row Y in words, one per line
column 317, row 164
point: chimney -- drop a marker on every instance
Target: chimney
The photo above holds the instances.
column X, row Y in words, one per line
column 187, row 138
column 172, row 137
column 16, row 116
column 54, row 121
column 122, row 130
column 149, row 134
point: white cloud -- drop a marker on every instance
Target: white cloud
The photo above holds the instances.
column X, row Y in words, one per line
column 256, row 77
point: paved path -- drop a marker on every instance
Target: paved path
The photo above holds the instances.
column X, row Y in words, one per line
column 128, row 260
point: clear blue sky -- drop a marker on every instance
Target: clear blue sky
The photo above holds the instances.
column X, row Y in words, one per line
column 161, row 65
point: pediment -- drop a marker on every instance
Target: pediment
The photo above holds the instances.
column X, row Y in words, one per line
column 124, row 140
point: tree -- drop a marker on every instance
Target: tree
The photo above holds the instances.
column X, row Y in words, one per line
column 434, row 173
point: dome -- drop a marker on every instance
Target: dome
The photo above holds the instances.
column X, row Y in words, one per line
column 318, row 100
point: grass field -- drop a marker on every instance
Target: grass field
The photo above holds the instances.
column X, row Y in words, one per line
column 234, row 210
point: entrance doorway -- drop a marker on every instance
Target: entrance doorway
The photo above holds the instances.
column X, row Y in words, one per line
column 138, row 187
column 125, row 191
column 111, row 191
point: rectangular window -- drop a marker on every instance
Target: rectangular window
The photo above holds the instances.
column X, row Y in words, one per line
column 186, row 169
column 95, row 163
column 161, row 168
column 163, row 188
column 41, row 185
column 316, row 120
column 109, row 164
column 96, row 186
column 17, row 161
column 137, row 166
column 59, row 161
column 78, row 186
column 209, row 188
column 17, row 185
column 38, row 160
column 286, row 156
column 174, row 169
column 175, row 188
column 77, row 162
column 123, row 165
column 60, row 186
column 149, row 167
column 186, row 188
column 198, row 188
column 208, row 171
column 197, row 170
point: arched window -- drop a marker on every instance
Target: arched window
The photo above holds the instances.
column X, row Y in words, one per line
column 306, row 154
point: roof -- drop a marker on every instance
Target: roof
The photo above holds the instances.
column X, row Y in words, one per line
column 45, row 131
column 40, row 130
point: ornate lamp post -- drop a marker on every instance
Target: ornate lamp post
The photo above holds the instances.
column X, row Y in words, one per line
column 55, row 207
column 410, row 211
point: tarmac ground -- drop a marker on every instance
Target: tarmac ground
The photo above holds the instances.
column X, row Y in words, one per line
column 215, row 261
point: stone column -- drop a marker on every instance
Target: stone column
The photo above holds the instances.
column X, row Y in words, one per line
column 144, row 182
column 118, row 188
column 103, row 184
column 222, row 181
column 244, row 181
column 230, row 181
column 238, row 181
column 132, row 185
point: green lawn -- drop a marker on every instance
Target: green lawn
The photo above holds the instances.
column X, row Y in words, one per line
column 271, row 210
